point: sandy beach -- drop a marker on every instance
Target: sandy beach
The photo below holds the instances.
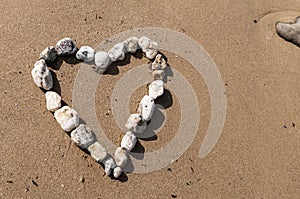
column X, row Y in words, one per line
column 258, row 152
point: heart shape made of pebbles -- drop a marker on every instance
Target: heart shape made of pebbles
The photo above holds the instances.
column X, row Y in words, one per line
column 68, row 118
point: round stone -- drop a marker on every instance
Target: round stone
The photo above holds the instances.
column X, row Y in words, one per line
column 53, row 101
column 67, row 118
column 128, row 141
column 135, row 123
column 156, row 88
column 83, row 136
column 41, row 75
column 85, row 53
column 66, row 46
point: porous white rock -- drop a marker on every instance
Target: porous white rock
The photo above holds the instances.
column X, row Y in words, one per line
column 158, row 74
column 149, row 47
column 97, row 151
column 117, row 172
column 152, row 50
column 117, row 52
column 83, row 136
column 156, row 88
column 131, row 44
column 102, row 61
column 41, row 75
column 53, row 101
column 121, row 157
column 66, row 46
column 146, row 107
column 67, row 118
column 109, row 164
column 49, row 54
column 135, row 123
column 128, row 141
column 159, row 63
column 85, row 53
column 144, row 42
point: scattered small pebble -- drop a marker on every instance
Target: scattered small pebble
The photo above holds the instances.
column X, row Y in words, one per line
column 192, row 169
column 34, row 183
column 82, row 180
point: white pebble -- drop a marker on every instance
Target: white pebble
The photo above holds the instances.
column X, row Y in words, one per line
column 49, row 54
column 159, row 63
column 156, row 88
column 144, row 42
column 128, row 141
column 158, row 74
column 117, row 52
column 135, row 123
column 117, row 172
column 109, row 164
column 53, row 101
column 102, row 60
column 146, row 107
column 66, row 46
column 67, row 118
column 121, row 157
column 152, row 51
column 149, row 47
column 83, row 136
column 41, row 75
column 131, row 44
column 85, row 53
column 97, row 151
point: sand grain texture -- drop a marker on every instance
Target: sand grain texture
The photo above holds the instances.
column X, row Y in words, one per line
column 258, row 153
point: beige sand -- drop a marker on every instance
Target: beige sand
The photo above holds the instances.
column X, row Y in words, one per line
column 258, row 153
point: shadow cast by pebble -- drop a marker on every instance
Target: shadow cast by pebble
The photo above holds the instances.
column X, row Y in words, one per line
column 123, row 178
column 154, row 124
column 56, row 86
column 71, row 59
column 56, row 64
column 166, row 100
